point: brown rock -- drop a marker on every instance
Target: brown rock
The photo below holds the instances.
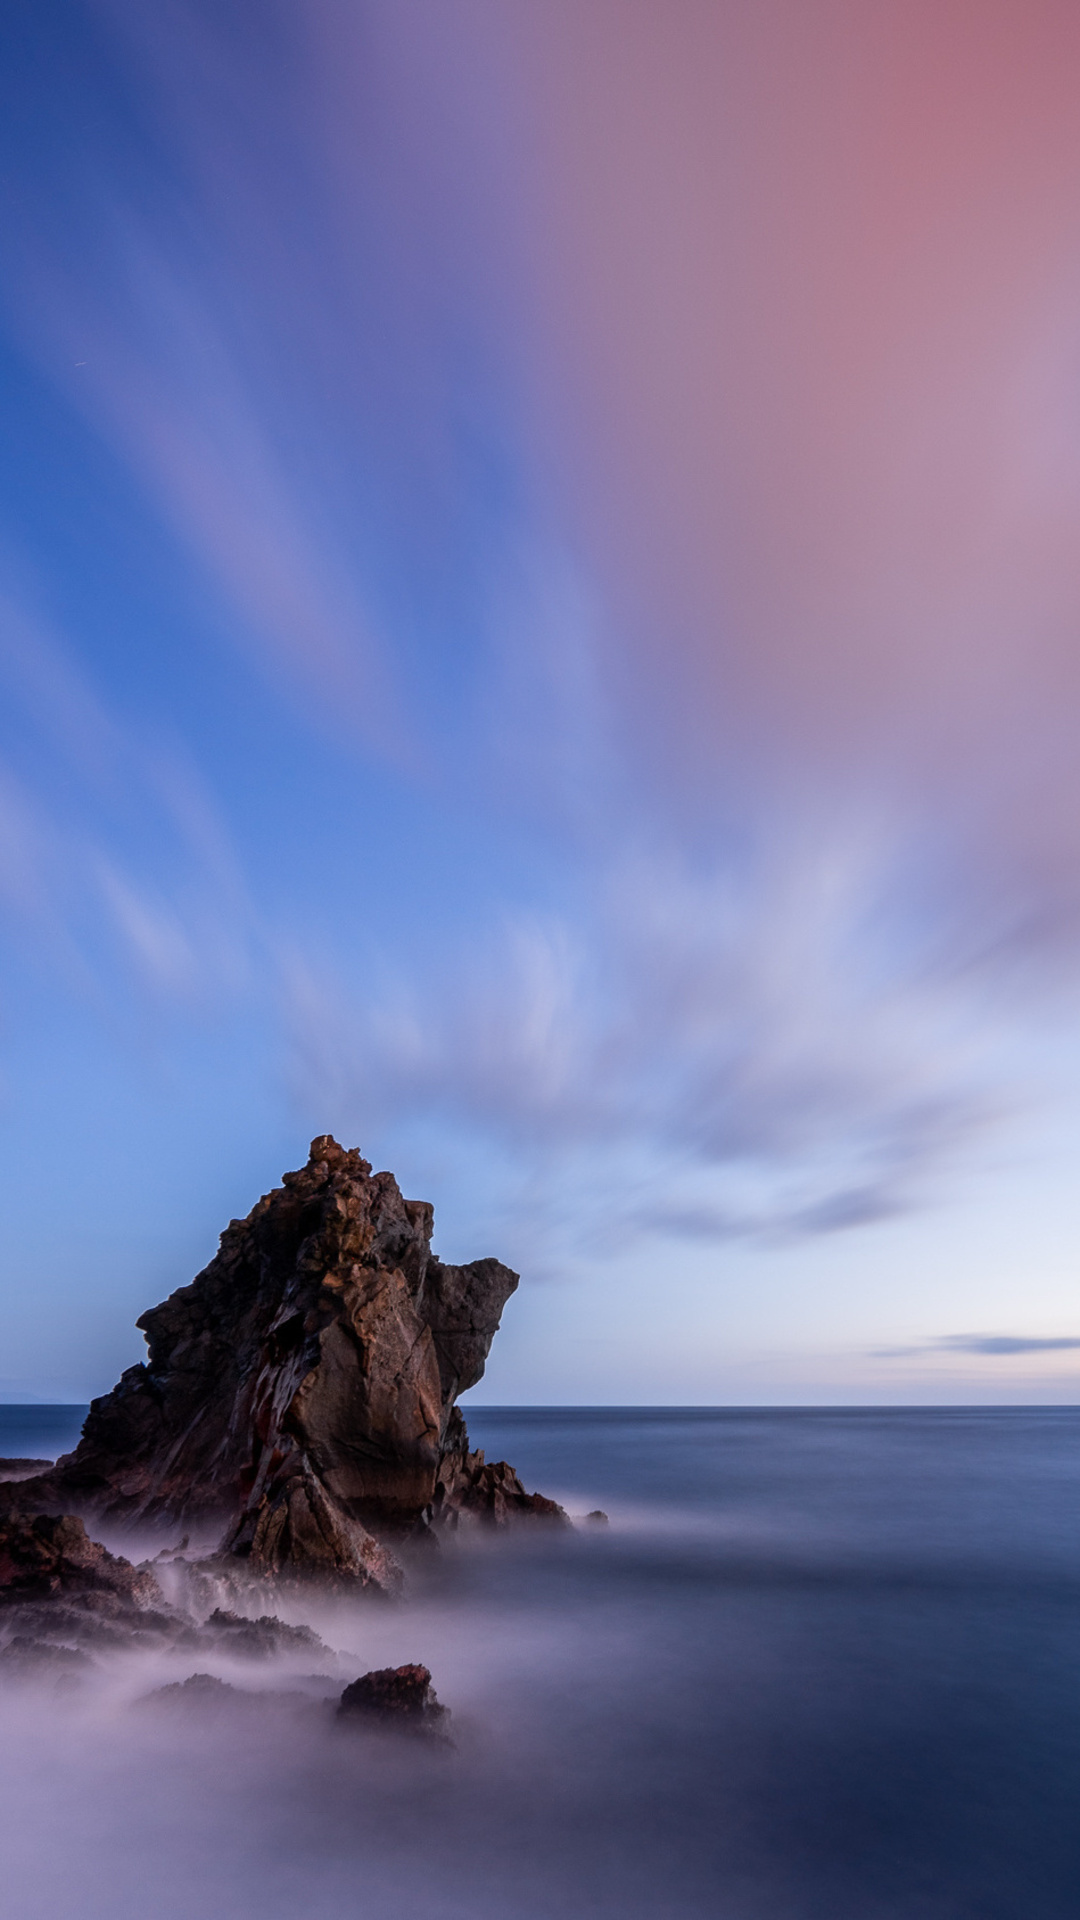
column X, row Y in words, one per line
column 45, row 1556
column 299, row 1394
column 470, row 1489
column 98, row 1619
column 299, row 1531
column 260, row 1639
column 395, row 1696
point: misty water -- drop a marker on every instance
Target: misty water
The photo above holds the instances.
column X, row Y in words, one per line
column 820, row 1663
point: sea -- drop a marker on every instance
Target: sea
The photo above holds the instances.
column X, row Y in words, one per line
column 817, row 1664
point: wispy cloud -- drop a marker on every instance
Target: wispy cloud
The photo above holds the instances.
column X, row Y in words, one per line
column 709, row 567
column 705, row 1052
column 116, row 868
column 983, row 1344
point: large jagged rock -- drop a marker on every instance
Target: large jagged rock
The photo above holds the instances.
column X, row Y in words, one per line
column 299, row 1394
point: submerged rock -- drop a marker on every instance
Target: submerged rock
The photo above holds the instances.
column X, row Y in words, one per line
column 298, row 1398
column 58, row 1587
column 258, row 1639
column 203, row 1697
column 34, row 1659
column 396, row 1697
column 199, row 1693
column 101, row 1621
column 106, row 1626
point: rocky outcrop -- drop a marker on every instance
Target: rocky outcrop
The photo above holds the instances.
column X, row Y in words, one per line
column 66, row 1604
column 298, row 1398
column 43, row 1558
column 395, row 1700
column 200, row 1692
column 241, row 1638
column 470, row 1489
column 401, row 1697
column 24, row 1658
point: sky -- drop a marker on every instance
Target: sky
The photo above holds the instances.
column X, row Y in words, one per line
column 540, row 634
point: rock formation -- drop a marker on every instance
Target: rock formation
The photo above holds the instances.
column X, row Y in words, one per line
column 468, row 1488
column 45, row 1558
column 401, row 1697
column 298, row 1397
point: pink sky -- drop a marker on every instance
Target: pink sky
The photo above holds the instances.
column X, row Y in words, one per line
column 636, row 448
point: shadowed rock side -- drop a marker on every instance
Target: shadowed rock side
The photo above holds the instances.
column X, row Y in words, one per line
column 300, row 1392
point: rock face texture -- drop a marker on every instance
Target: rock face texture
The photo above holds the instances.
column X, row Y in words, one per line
column 468, row 1488
column 400, row 1697
column 45, row 1558
column 299, row 1394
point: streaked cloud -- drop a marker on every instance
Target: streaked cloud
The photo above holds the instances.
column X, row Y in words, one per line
column 116, row 868
column 621, row 473
column 707, row 1052
column 991, row 1345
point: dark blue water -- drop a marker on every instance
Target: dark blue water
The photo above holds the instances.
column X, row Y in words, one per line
column 39, row 1433
column 822, row 1665
column 855, row 1688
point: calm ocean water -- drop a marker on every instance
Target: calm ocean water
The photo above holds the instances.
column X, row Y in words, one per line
column 39, row 1433
column 822, row 1665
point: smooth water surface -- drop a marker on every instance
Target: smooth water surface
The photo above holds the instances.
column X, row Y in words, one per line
column 821, row 1665
column 39, row 1432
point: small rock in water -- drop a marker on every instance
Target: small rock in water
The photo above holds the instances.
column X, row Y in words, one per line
column 261, row 1638
column 26, row 1656
column 199, row 1691
column 397, row 1697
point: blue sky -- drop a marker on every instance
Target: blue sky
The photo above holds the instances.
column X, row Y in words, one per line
column 538, row 633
